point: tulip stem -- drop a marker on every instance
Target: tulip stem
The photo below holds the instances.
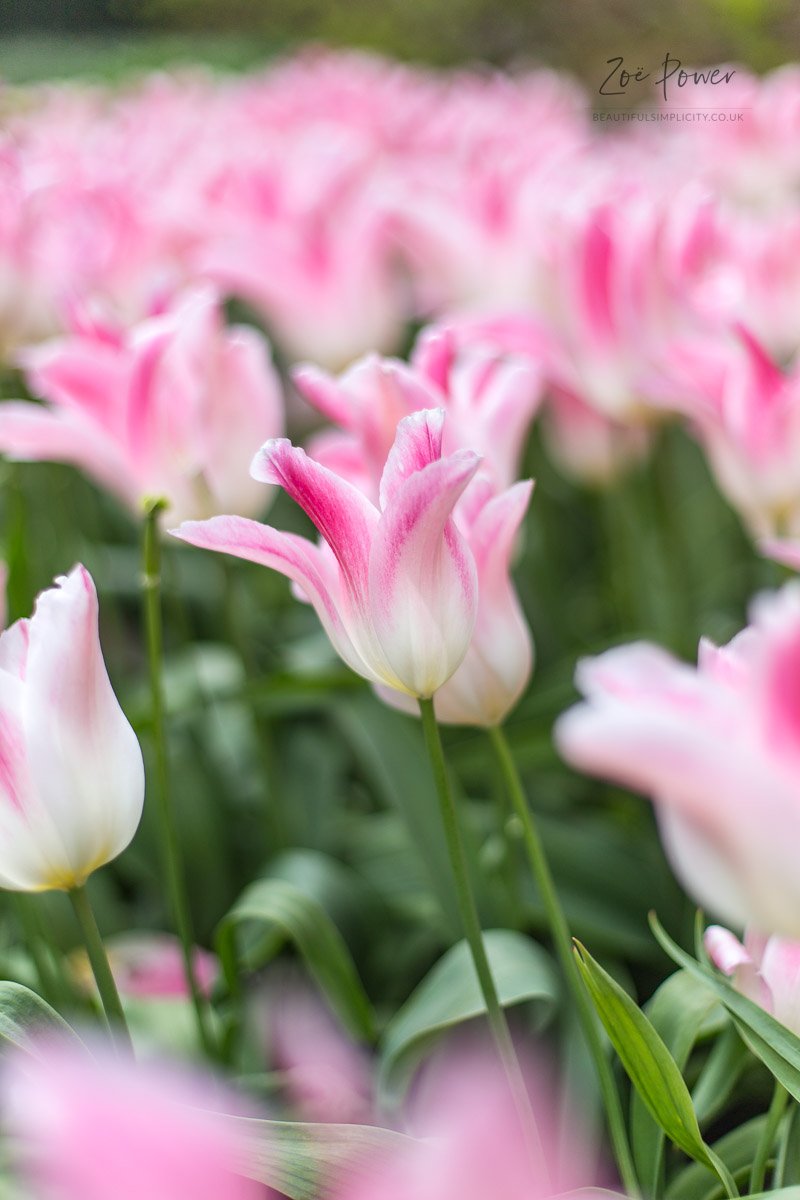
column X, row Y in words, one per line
column 170, row 845
column 109, row 996
column 563, row 944
column 767, row 1139
column 474, row 934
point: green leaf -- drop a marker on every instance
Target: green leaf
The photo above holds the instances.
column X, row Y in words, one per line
column 24, row 1015
column 302, row 1160
column 647, row 1061
column 678, row 1012
column 736, row 1149
column 271, row 912
column 450, row 994
column 719, row 1074
column 776, row 1046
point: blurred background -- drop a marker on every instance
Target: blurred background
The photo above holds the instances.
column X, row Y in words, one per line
column 104, row 38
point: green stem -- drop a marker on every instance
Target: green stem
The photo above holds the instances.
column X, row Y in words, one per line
column 109, row 996
column 170, row 846
column 474, row 934
column 563, row 944
column 767, row 1140
column 784, row 1147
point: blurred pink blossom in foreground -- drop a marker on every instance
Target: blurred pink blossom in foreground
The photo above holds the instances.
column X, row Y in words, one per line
column 175, row 407
column 71, row 771
column 394, row 587
column 88, row 1126
column 717, row 748
column 765, row 969
column 470, row 1145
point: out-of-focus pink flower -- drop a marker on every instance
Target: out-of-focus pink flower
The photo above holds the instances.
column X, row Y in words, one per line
column 490, row 398
column 326, row 1077
column 71, row 772
column 395, row 586
column 471, row 1145
column 88, row 1126
column 765, row 969
column 149, row 966
column 746, row 411
column 173, row 408
column 717, row 748
column 588, row 446
column 499, row 661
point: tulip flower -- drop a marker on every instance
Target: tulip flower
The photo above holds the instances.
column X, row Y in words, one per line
column 395, row 586
column 765, row 969
column 87, row 1127
column 71, row 772
column 490, row 398
column 174, row 407
column 717, row 748
column 149, row 966
column 499, row 661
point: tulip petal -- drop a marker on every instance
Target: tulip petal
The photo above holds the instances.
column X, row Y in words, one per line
column 417, row 443
column 295, row 557
column 423, row 588
column 85, row 762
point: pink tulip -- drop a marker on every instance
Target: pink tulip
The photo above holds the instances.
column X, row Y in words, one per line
column 149, row 966
column 490, row 397
column 395, row 586
column 71, row 772
column 325, row 1076
column 717, row 748
column 174, row 407
column 499, row 661
column 470, row 1146
column 87, row 1126
column 766, row 970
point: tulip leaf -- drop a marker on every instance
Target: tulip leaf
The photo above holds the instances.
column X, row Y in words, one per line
column 649, row 1064
column 272, row 912
column 24, row 1014
column 776, row 1046
column 736, row 1149
column 450, row 994
column 303, row 1160
column 679, row 1011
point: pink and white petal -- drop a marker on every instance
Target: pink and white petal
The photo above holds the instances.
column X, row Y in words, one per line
column 85, row 762
column 342, row 515
column 307, row 565
column 244, row 407
column 725, row 950
column 780, row 968
column 30, row 433
column 341, row 453
column 417, row 443
column 324, row 393
column 706, row 873
column 423, row 583
column 14, row 648
column 88, row 375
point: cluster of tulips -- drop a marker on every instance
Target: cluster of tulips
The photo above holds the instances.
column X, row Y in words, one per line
column 596, row 284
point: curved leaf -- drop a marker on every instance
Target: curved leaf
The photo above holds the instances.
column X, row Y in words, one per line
column 23, row 1015
column 450, row 994
column 271, row 912
column 678, row 1011
column 303, row 1161
column 648, row 1063
column 776, row 1046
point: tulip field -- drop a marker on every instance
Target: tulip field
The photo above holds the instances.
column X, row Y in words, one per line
column 400, row 652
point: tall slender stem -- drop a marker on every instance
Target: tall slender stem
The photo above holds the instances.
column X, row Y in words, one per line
column 474, row 934
column 563, row 945
column 109, row 996
column 767, row 1139
column 170, row 846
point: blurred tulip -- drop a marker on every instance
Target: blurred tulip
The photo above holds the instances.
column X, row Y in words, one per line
column 88, row 1126
column 71, row 772
column 718, row 750
column 149, row 966
column 394, row 587
column 173, row 408
column 490, row 398
column 766, row 970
